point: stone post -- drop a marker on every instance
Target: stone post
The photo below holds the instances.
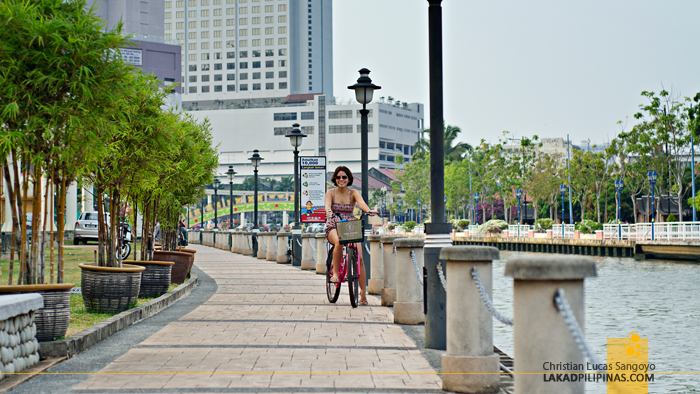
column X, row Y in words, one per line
column 262, row 245
column 307, row 254
column 540, row 333
column 248, row 243
column 271, row 246
column 282, row 257
column 321, row 253
column 408, row 306
column 389, row 262
column 376, row 283
column 469, row 323
column 234, row 248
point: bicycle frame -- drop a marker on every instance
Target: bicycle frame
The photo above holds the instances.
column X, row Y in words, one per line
column 343, row 272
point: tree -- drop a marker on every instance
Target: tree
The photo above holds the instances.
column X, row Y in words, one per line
column 415, row 181
column 453, row 150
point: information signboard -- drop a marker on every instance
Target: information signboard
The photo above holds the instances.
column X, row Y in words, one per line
column 313, row 189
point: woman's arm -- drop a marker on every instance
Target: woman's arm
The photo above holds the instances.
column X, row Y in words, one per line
column 328, row 203
column 361, row 202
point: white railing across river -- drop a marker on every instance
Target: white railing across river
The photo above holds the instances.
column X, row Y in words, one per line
column 671, row 231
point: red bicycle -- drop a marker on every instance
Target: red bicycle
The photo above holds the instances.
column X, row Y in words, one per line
column 349, row 271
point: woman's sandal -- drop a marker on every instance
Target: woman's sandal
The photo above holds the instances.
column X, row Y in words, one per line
column 364, row 302
column 334, row 279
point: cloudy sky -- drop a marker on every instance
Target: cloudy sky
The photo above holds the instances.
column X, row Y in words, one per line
column 543, row 67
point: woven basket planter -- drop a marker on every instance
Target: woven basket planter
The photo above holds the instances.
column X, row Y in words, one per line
column 110, row 289
column 155, row 280
column 183, row 262
column 51, row 320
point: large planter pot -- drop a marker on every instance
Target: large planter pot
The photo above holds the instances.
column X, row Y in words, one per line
column 110, row 289
column 183, row 262
column 51, row 320
column 155, row 279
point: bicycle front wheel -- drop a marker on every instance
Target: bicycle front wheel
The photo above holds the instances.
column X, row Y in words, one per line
column 353, row 277
column 332, row 289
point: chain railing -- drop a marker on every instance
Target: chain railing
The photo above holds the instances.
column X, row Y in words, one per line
column 299, row 243
column 485, row 297
column 441, row 275
column 415, row 266
column 565, row 310
column 274, row 240
column 367, row 247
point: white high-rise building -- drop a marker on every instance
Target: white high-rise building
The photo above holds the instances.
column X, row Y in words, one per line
column 247, row 51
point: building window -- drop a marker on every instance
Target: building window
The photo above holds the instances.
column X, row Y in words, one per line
column 256, row 64
column 256, row 75
column 205, row 67
column 269, row 52
column 307, row 116
column 283, row 52
column 343, row 114
column 283, row 74
column 269, row 19
column 269, row 41
column 205, row 78
column 390, row 158
column 230, row 55
column 230, row 77
column 230, row 11
column 282, row 8
column 270, row 63
column 168, row 15
column 217, row 23
column 217, row 88
column 204, row 24
column 230, row 44
column 283, row 63
column 180, row 25
column 180, row 14
column 193, row 46
column 256, row 53
column 230, row 66
column 256, row 86
column 390, row 145
column 308, row 130
column 283, row 85
column 282, row 30
column 168, row 26
column 180, row 3
column 230, row 33
column 243, row 76
column 217, row 66
column 382, row 144
column 242, row 10
column 382, row 157
column 255, row 21
column 243, row 65
column 217, row 55
column 230, row 22
column 340, row 129
column 192, row 3
column 217, row 77
column 193, row 78
column 369, row 128
column 270, row 85
column 269, row 74
column 269, row 30
column 204, row 13
column 269, row 8
column 193, row 57
column 243, row 43
column 243, row 54
column 282, row 130
column 282, row 41
column 243, row 87
column 230, row 88
column 255, row 9
column 280, row 116
column 193, row 67
column 168, row 4
column 193, row 89
column 282, row 19
column 255, row 43
column 180, row 36
column 217, row 12
column 242, row 32
column 205, row 56
column 192, row 14
column 192, row 35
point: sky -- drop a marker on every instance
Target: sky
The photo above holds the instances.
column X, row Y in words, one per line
column 535, row 67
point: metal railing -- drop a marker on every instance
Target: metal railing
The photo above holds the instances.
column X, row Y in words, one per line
column 568, row 231
column 513, row 230
column 671, row 231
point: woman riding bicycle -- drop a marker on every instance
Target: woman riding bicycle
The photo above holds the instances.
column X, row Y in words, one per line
column 342, row 201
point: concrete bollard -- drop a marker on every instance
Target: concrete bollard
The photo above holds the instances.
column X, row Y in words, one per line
column 262, row 245
column 408, row 306
column 271, row 246
column 469, row 323
column 307, row 254
column 247, row 243
column 321, row 253
column 234, row 248
column 282, row 248
column 389, row 262
column 540, row 333
column 376, row 283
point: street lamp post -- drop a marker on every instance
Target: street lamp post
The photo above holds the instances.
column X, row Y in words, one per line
column 230, row 173
column 562, row 188
column 419, row 201
column 295, row 138
column 518, row 194
column 476, row 207
column 364, row 90
column 619, row 184
column 217, row 183
column 201, row 223
column 255, row 159
column 652, row 176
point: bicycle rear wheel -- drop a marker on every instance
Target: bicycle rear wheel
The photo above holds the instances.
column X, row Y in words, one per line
column 332, row 289
column 353, row 277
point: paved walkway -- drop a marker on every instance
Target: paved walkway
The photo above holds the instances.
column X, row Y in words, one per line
column 269, row 328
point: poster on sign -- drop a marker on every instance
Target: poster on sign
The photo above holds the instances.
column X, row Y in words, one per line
column 313, row 189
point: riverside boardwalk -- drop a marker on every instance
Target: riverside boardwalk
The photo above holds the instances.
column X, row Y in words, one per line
column 269, row 328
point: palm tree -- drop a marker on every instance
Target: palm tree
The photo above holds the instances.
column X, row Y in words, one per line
column 453, row 151
column 285, row 184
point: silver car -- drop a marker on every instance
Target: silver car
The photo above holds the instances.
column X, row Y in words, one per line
column 86, row 227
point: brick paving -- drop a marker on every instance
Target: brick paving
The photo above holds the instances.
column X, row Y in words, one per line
column 270, row 329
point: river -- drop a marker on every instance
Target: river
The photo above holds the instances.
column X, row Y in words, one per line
column 658, row 299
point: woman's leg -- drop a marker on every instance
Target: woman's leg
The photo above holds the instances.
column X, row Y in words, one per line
column 363, row 278
column 337, row 251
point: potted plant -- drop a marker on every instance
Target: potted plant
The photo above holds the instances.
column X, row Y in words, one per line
column 492, row 228
column 587, row 228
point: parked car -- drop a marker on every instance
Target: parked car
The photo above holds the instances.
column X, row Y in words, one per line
column 86, row 227
column 315, row 228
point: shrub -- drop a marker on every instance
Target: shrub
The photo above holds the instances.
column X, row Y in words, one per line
column 409, row 226
column 543, row 224
column 492, row 226
column 671, row 218
column 391, row 226
column 588, row 226
column 460, row 224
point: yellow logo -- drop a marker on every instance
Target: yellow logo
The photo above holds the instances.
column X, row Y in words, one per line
column 628, row 367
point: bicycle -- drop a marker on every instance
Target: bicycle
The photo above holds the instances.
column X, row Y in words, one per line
column 348, row 272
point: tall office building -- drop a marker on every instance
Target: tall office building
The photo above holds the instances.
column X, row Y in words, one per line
column 243, row 51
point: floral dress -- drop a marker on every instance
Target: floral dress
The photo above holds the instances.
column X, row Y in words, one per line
column 345, row 211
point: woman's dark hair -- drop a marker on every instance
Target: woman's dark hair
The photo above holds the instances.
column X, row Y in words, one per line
column 345, row 170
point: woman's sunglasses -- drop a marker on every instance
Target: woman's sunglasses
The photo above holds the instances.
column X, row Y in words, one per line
column 341, row 177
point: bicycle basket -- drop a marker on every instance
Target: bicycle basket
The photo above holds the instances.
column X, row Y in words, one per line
column 350, row 231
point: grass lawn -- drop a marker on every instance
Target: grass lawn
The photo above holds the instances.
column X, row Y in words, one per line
column 80, row 319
